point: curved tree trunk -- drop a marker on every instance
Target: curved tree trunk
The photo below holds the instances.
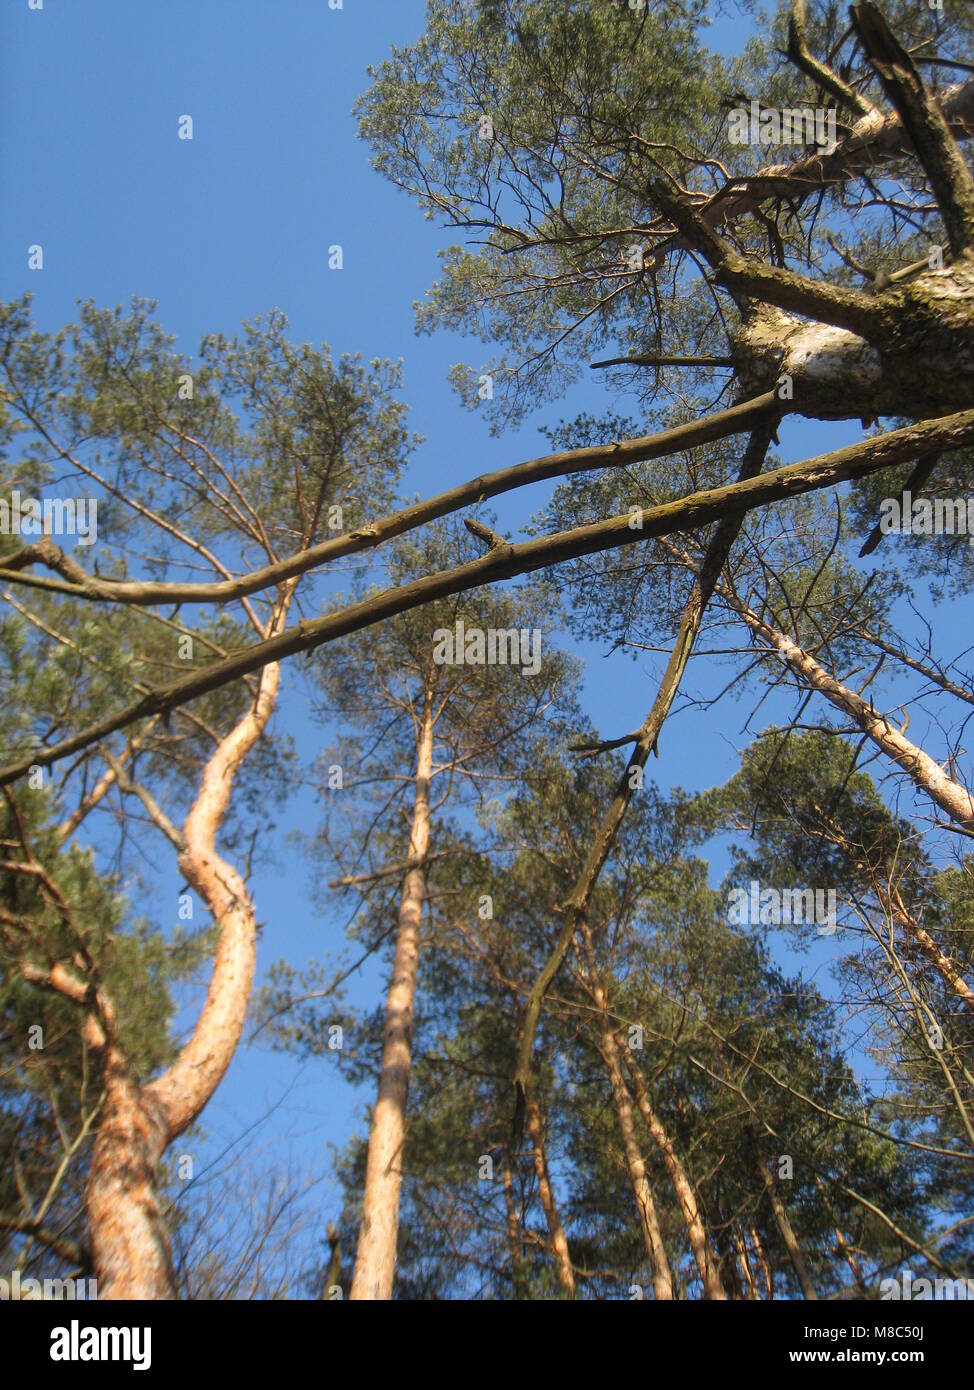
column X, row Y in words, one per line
column 129, row 1239
column 375, row 1260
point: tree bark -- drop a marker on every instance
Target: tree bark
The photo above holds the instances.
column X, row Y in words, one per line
column 513, row 1226
column 556, row 1230
column 928, row 775
column 507, row 561
column 712, row 1287
column 843, row 1247
column 946, row 968
column 375, row 1260
column 740, row 1244
column 645, row 1206
column 788, row 1235
column 646, row 741
column 129, row 1240
column 763, row 1265
column 130, row 1245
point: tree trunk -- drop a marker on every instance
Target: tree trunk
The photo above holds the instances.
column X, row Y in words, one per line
column 129, row 1239
column 788, row 1235
column 556, row 1230
column 952, row 797
column 513, row 1227
column 843, row 1247
column 712, row 1287
column 740, row 1244
column 645, row 1206
column 763, row 1265
column 927, row 774
column 576, row 903
column 947, row 969
column 375, row 1260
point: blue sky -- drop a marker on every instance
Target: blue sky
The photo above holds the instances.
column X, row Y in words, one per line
column 230, row 224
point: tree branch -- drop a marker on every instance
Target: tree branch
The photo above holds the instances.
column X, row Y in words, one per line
column 687, row 513
column 618, row 454
column 663, row 362
column 801, row 55
column 922, row 120
column 846, row 308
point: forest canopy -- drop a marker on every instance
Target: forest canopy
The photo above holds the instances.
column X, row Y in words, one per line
column 611, row 1035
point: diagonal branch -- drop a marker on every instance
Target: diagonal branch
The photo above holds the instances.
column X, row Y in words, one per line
column 846, row 308
column 619, row 454
column 875, row 140
column 919, row 476
column 577, row 901
column 801, row 55
column 663, row 361
column 922, row 120
column 687, row 513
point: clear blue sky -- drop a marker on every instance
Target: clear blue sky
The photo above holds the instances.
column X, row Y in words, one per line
column 228, row 225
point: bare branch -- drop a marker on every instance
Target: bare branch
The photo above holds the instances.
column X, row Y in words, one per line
column 687, row 513
column 619, row 454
